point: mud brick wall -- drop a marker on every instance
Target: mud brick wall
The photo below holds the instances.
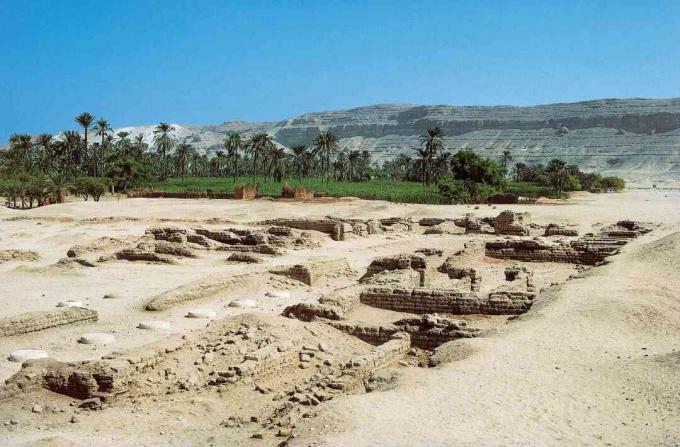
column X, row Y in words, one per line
column 441, row 301
column 509, row 302
column 422, row 300
column 245, row 192
column 560, row 230
column 375, row 335
column 302, row 194
column 310, row 311
column 328, row 226
column 264, row 361
column 509, row 222
column 537, row 251
column 359, row 368
column 310, row 272
column 37, row 321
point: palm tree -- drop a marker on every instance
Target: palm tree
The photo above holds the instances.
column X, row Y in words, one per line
column 43, row 142
column 431, row 144
column 164, row 143
column 20, row 144
column 299, row 158
column 258, row 146
column 139, row 145
column 276, row 163
column 325, row 144
column 233, row 145
column 217, row 162
column 102, row 129
column 353, row 165
column 558, row 174
column 506, row 157
column 123, row 145
column 72, row 144
column 85, row 120
column 182, row 155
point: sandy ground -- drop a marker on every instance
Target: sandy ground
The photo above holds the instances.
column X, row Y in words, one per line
column 595, row 362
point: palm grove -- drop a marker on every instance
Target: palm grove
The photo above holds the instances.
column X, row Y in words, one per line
column 91, row 160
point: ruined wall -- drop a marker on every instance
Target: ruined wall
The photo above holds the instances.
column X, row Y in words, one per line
column 443, row 301
column 315, row 269
column 542, row 251
column 509, row 222
column 37, row 321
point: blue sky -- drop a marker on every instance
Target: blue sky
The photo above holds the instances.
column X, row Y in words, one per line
column 202, row 62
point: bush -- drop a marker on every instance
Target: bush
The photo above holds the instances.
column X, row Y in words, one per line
column 613, row 183
column 90, row 186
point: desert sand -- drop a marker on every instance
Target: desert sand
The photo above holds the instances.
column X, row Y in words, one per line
column 594, row 360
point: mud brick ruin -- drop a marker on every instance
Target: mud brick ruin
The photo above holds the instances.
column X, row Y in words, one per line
column 414, row 262
column 37, row 321
column 314, row 270
column 317, row 349
column 447, row 301
column 588, row 250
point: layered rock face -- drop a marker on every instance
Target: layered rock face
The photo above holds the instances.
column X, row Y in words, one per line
column 638, row 139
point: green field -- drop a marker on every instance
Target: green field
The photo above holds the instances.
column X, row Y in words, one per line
column 393, row 191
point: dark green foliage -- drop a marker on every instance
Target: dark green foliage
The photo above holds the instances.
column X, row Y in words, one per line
column 481, row 176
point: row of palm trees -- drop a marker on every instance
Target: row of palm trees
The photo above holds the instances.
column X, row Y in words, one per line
column 125, row 158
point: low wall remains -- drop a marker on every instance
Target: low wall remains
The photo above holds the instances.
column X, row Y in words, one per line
column 423, row 301
column 37, row 321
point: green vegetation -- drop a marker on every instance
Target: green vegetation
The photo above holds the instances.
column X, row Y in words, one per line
column 395, row 191
column 40, row 171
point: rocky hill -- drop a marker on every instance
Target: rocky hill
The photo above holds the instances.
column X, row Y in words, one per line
column 638, row 139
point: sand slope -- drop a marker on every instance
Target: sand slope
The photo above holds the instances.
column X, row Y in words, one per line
column 596, row 364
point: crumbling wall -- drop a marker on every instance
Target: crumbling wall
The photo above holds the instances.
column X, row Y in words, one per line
column 315, row 269
column 473, row 224
column 194, row 290
column 444, row 301
column 414, row 262
column 510, row 222
column 576, row 252
column 37, row 321
column 560, row 230
column 426, row 332
column 310, row 311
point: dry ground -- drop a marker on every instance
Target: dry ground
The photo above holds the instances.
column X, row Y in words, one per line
column 595, row 362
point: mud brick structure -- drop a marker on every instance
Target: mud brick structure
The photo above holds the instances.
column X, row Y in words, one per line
column 329, row 226
column 194, row 290
column 37, row 321
column 431, row 330
column 430, row 251
column 451, row 268
column 266, row 360
column 245, row 258
column 588, row 250
column 315, row 269
column 426, row 332
column 398, row 262
column 431, row 221
column 521, row 275
column 423, row 301
column 473, row 224
column 544, row 251
column 244, row 192
column 509, row 222
column 310, row 311
column 302, row 194
column 384, row 355
column 560, row 230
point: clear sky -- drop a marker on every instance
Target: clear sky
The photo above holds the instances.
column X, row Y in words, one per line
column 204, row 62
